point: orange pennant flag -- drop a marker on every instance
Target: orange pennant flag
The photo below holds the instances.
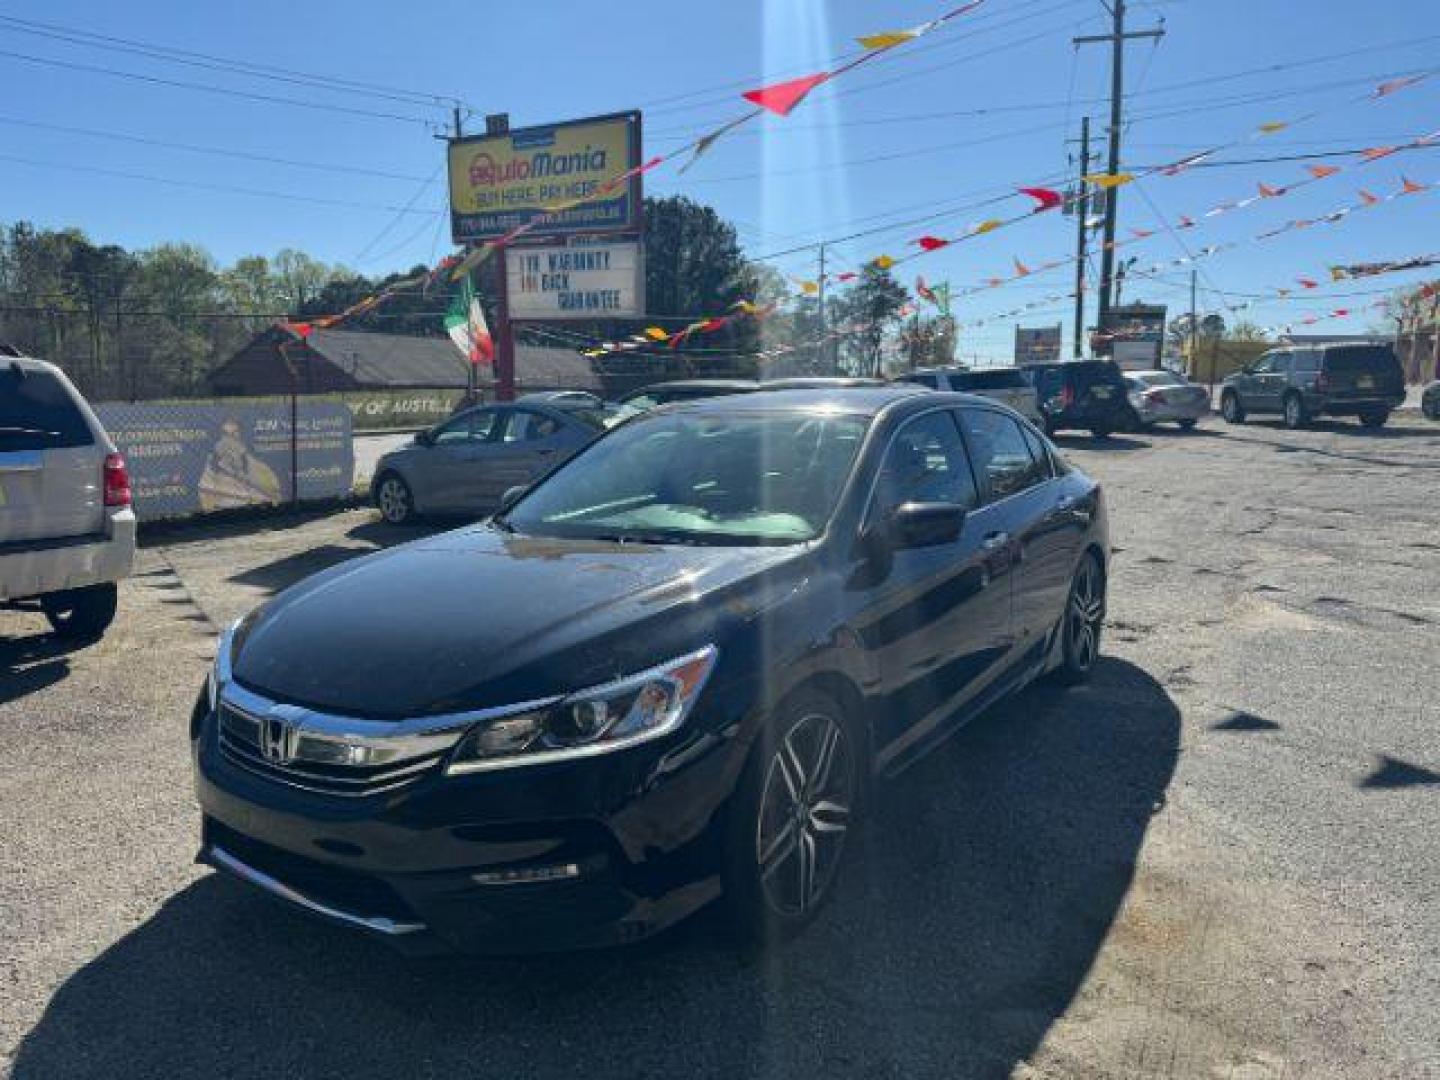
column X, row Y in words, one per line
column 1375, row 153
column 1272, row 127
column 1411, row 187
column 654, row 333
column 1108, row 180
column 1320, row 172
column 1367, row 198
column 809, row 288
column 1307, row 283
column 989, row 225
column 882, row 262
column 887, row 39
column 1268, row 192
column 1021, row 270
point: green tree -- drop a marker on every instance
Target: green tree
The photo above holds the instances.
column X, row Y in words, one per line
column 868, row 309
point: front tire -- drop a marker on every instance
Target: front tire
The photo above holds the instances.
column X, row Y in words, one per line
column 1082, row 622
column 1230, row 408
column 394, row 500
column 81, row 614
column 796, row 805
column 1101, row 431
column 1186, row 425
column 1296, row 416
column 1375, row 418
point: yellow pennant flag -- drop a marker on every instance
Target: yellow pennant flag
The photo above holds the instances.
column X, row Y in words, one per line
column 887, row 39
column 654, row 333
column 1109, row 180
column 987, row 226
column 809, row 288
column 1272, row 127
column 883, row 262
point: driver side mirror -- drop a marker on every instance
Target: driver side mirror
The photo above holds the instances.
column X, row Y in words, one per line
column 512, row 496
column 925, row 524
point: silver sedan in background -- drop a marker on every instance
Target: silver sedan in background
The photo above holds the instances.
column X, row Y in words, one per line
column 1166, row 396
column 466, row 464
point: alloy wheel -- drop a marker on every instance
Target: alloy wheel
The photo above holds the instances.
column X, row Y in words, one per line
column 394, row 500
column 1294, row 412
column 1084, row 616
column 805, row 808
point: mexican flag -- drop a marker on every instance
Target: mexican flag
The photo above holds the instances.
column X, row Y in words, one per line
column 465, row 323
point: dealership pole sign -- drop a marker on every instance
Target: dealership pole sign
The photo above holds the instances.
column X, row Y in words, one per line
column 1037, row 345
column 588, row 280
column 501, row 181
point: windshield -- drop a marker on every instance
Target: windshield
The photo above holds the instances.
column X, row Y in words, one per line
column 686, row 478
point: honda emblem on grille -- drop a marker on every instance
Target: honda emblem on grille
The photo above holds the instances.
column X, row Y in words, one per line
column 279, row 736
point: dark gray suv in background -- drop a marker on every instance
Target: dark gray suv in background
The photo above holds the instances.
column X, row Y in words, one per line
column 1300, row 383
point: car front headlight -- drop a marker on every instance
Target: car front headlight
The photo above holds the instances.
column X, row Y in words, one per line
column 590, row 722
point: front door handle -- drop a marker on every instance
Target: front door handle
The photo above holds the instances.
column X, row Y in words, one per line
column 995, row 541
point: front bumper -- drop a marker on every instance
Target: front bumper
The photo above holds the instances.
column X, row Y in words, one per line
column 556, row 857
column 36, row 568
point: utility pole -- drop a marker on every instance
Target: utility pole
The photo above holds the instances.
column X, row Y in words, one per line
column 1117, row 38
column 825, row 363
column 1194, row 327
column 1082, row 215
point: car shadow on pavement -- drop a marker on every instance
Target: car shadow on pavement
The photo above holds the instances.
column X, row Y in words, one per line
column 30, row 664
column 989, row 879
column 1111, row 444
column 1353, row 429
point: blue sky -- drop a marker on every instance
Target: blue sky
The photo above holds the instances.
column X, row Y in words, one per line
column 985, row 105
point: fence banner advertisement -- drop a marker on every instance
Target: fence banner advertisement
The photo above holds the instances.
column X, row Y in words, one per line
column 187, row 459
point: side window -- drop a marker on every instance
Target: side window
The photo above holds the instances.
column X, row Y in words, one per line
column 925, row 379
column 1001, row 455
column 526, row 426
column 1307, row 362
column 926, row 463
column 1265, row 364
column 1044, row 464
column 1282, row 363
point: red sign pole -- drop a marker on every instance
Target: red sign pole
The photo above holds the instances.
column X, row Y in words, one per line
column 504, row 335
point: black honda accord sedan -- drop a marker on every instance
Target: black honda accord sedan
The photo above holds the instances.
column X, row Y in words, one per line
column 669, row 672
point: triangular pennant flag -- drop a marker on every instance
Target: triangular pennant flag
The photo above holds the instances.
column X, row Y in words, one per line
column 1283, row 292
column 923, row 291
column 809, row 288
column 932, row 243
column 1320, row 172
column 1045, row 199
column 655, row 333
column 1185, row 163
column 882, row 262
column 1411, row 187
column 1021, row 270
column 1186, row 222
column 744, row 306
column 1393, row 85
column 887, row 39
column 848, row 275
column 780, row 98
column 1367, row 198
column 1307, row 283
column 1268, row 192
column 989, row 225
column 1339, row 313
column 465, row 323
column 1272, row 127
column 1375, row 153
column 1141, row 234
column 1108, row 180
column 1338, row 273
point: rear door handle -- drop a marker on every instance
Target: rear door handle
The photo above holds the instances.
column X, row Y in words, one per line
column 995, row 541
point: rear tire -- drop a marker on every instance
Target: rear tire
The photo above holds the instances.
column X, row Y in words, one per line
column 81, row 614
column 1296, row 416
column 394, row 499
column 1082, row 623
column 1375, row 418
column 789, row 830
column 1186, row 425
column 1230, row 408
column 1100, row 432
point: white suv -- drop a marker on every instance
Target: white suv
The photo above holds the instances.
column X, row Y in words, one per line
column 1007, row 385
column 67, row 530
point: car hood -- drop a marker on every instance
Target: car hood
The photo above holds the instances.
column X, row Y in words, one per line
column 478, row 618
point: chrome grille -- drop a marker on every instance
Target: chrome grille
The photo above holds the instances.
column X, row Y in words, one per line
column 329, row 764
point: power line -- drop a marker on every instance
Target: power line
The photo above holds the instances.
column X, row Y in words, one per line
column 211, row 62
column 247, row 95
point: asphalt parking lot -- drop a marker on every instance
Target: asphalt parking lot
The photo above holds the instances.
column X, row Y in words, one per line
column 1218, row 859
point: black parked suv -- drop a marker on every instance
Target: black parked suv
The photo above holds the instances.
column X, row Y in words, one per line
column 1299, row 383
column 1087, row 394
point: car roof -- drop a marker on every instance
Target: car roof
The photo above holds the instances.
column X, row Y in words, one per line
column 697, row 384
column 857, row 400
column 820, row 382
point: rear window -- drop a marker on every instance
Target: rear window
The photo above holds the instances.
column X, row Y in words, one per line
column 1375, row 359
column 1005, row 379
column 921, row 380
column 37, row 412
column 1087, row 375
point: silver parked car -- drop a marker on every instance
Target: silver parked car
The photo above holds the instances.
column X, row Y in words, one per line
column 1166, row 396
column 466, row 464
column 1007, row 385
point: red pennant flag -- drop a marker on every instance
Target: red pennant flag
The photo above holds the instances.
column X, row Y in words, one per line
column 931, row 243
column 1393, row 85
column 848, row 275
column 1375, row 153
column 1141, row 234
column 1307, row 283
column 1310, row 320
column 1320, row 172
column 1339, row 313
column 1186, row 222
column 1021, row 270
column 1367, row 198
column 780, row 98
column 1426, row 291
column 1268, row 192
column 1045, row 199
column 300, row 329
column 1411, row 187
